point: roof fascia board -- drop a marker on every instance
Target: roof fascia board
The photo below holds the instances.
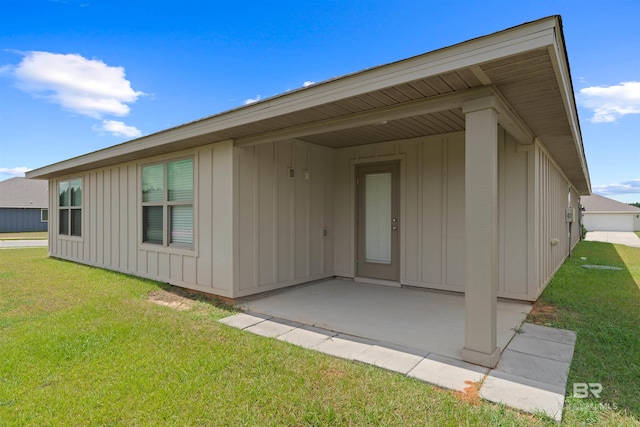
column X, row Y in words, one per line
column 561, row 67
column 77, row 164
column 530, row 36
column 393, row 112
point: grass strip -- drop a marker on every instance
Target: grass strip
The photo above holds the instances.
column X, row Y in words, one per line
column 603, row 307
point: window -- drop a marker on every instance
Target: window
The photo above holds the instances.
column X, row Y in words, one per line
column 44, row 215
column 167, row 203
column 70, row 207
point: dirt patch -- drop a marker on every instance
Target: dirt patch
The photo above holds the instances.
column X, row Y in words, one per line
column 170, row 299
column 470, row 394
column 542, row 314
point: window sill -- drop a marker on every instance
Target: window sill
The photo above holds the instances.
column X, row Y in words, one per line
column 70, row 238
column 177, row 250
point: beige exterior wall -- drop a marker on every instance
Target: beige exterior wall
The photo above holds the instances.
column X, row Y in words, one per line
column 257, row 228
column 111, row 224
column 280, row 219
column 433, row 213
column 260, row 229
column 553, row 195
column 431, row 208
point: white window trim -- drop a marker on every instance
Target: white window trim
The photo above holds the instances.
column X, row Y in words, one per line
column 42, row 211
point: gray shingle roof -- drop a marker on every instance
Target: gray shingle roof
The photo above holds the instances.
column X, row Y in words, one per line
column 24, row 193
column 595, row 203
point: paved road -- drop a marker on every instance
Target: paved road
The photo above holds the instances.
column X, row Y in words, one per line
column 23, row 243
column 618, row 237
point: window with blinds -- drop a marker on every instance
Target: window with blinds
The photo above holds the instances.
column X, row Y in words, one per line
column 70, row 207
column 167, row 203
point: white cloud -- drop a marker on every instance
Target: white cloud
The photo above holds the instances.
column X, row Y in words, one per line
column 84, row 86
column 252, row 100
column 117, row 128
column 627, row 187
column 611, row 102
column 19, row 171
column 308, row 83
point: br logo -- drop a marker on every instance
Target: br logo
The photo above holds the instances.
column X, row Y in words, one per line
column 583, row 390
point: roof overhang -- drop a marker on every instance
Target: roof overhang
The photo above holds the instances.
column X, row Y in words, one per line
column 524, row 69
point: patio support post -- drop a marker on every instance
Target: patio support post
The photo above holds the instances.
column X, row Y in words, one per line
column 481, row 232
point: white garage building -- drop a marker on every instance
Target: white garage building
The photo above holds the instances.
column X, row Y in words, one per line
column 604, row 214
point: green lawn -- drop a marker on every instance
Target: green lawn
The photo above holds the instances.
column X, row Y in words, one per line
column 29, row 235
column 603, row 307
column 84, row 346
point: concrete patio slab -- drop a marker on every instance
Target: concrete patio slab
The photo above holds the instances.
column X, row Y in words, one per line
column 390, row 359
column 524, row 394
column 530, row 376
column 560, row 352
column 243, row 320
column 272, row 329
column 375, row 311
column 344, row 348
column 546, row 333
column 546, row 371
column 448, row 373
column 305, row 338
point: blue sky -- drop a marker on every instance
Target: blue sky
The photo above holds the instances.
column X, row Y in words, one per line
column 79, row 76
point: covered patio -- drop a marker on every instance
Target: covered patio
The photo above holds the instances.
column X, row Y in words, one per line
column 424, row 320
column 418, row 333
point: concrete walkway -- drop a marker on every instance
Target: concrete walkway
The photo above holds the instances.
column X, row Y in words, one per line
column 618, row 237
column 531, row 375
column 23, row 243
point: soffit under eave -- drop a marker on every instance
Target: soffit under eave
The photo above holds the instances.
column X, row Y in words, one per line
column 531, row 83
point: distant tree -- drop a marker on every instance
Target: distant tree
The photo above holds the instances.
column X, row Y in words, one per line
column 636, row 204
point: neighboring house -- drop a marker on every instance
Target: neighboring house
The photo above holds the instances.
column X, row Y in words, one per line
column 450, row 170
column 24, row 205
column 604, row 214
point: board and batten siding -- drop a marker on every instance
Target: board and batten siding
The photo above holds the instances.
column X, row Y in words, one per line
column 278, row 214
column 283, row 215
column 554, row 194
column 111, row 224
column 257, row 228
column 432, row 211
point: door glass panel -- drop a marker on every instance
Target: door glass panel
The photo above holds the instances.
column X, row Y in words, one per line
column 377, row 217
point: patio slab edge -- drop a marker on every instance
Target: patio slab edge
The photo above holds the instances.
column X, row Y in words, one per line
column 502, row 384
